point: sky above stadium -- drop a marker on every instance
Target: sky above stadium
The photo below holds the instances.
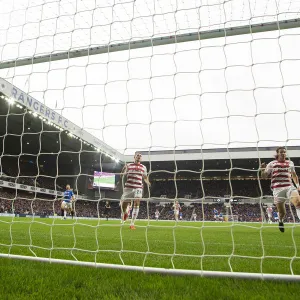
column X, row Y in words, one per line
column 240, row 91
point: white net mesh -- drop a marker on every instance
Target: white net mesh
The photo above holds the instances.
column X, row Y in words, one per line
column 85, row 84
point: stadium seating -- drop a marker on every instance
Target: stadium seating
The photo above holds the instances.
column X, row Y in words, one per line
column 25, row 172
column 44, row 205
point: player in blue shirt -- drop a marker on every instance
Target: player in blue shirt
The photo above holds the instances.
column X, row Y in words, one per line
column 216, row 214
column 67, row 202
column 221, row 217
column 275, row 215
column 180, row 216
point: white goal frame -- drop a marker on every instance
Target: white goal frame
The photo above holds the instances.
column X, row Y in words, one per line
column 160, row 41
column 181, row 272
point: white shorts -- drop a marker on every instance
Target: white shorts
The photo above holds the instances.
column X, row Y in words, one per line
column 269, row 215
column 176, row 212
column 283, row 194
column 129, row 194
column 67, row 204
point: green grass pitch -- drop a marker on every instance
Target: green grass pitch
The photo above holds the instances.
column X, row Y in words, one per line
column 242, row 247
column 104, row 180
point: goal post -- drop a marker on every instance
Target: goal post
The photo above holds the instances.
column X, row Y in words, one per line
column 188, row 85
column 155, row 41
column 147, row 270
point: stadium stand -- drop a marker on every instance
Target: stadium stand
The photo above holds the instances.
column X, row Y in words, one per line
column 213, row 188
column 22, row 202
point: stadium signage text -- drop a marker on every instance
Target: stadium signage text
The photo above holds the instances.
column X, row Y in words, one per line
column 38, row 107
column 27, row 187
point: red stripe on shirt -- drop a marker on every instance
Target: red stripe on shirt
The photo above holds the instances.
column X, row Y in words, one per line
column 280, row 185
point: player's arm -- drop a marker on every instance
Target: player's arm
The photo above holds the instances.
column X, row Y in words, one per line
column 264, row 170
column 122, row 174
column 72, row 196
column 295, row 179
column 146, row 178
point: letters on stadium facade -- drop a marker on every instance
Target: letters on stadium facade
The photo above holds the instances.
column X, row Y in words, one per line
column 36, row 189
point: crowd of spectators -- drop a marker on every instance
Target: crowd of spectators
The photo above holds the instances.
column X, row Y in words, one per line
column 210, row 188
column 21, row 202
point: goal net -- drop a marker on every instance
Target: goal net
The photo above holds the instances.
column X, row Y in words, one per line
column 204, row 90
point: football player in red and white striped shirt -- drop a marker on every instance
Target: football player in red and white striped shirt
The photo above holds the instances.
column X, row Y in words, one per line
column 282, row 172
column 269, row 213
column 176, row 208
column 133, row 188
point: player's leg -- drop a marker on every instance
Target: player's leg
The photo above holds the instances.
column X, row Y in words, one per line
column 124, row 210
column 138, row 193
column 281, row 212
column 135, row 212
column 72, row 209
column 279, row 201
column 269, row 219
column 176, row 213
column 125, row 200
column 68, row 209
column 62, row 209
column 295, row 199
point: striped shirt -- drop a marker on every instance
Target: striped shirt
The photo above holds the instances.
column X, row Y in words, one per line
column 280, row 173
column 176, row 206
column 135, row 173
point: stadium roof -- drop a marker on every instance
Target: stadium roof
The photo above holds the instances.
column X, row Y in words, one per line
column 50, row 117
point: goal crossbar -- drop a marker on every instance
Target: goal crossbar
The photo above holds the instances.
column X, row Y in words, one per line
column 158, row 41
column 181, row 272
